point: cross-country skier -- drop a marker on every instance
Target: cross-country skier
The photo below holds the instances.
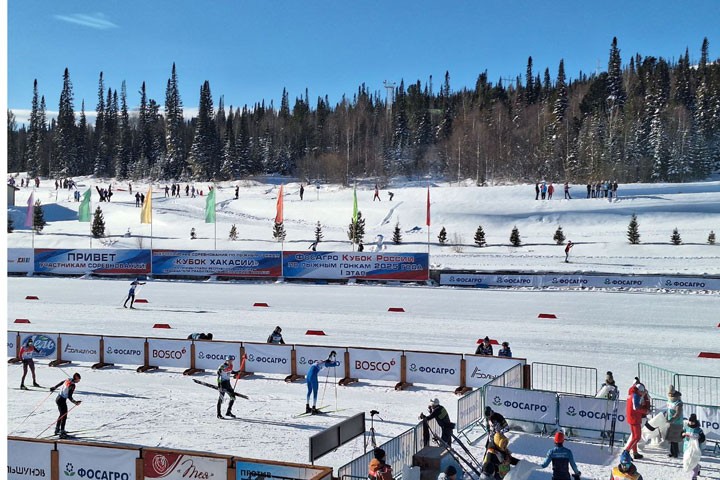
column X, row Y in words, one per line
column 225, row 372
column 312, row 380
column 442, row 418
column 567, row 250
column 131, row 293
column 27, row 352
column 276, row 337
column 66, row 393
column 625, row 470
column 637, row 406
column 562, row 459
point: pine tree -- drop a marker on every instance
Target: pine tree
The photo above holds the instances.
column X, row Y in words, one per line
column 318, row 233
column 515, row 237
column 480, row 237
column 397, row 234
column 205, row 152
column 174, row 129
column 559, row 236
column 279, row 232
column 675, row 237
column 633, row 234
column 356, row 230
column 615, row 89
column 98, row 224
column 38, row 217
column 442, row 237
column 233, row 233
column 711, row 238
column 65, row 153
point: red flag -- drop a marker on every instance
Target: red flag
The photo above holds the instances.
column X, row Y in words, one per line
column 279, row 212
column 427, row 219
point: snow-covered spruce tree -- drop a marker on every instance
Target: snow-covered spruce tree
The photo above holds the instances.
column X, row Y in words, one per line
column 559, row 236
column 711, row 238
column 442, row 237
column 279, row 232
column 633, row 233
column 675, row 237
column 233, row 233
column 480, row 237
column 356, row 230
column 174, row 128
column 515, row 237
column 397, row 234
column 98, row 224
column 205, row 152
column 318, row 232
column 38, row 217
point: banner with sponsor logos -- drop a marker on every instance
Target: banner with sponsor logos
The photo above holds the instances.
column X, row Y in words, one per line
column 268, row 358
column 20, row 260
column 229, row 263
column 210, row 355
column 45, row 344
column 622, row 281
column 80, row 348
column 375, row 364
column 433, row 368
column 169, row 353
column 519, row 404
column 106, row 261
column 124, row 350
column 490, row 280
column 591, row 413
column 180, row 466
column 362, row 265
column 482, row 369
column 709, row 418
column 306, row 356
column 81, row 462
column 248, row 470
column 691, row 283
column 12, row 349
column 28, row 460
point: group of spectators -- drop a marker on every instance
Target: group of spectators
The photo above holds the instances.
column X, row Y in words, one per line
column 603, row 189
column 486, row 348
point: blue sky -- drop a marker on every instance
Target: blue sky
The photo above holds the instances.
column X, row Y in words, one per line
column 250, row 50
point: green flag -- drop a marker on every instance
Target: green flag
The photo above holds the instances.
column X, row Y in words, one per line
column 355, row 209
column 210, row 207
column 84, row 210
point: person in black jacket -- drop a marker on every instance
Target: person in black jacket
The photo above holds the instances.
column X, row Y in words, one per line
column 485, row 348
column 441, row 416
column 276, row 337
column 66, row 393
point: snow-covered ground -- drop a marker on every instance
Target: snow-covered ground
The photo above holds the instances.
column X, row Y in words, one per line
column 606, row 330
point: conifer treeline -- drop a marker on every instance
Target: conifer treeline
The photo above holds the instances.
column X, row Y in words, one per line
column 650, row 120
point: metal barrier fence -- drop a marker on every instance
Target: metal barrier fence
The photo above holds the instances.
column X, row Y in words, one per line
column 696, row 389
column 656, row 379
column 470, row 409
column 564, row 378
column 510, row 378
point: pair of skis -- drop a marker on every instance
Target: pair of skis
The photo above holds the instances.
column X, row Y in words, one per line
column 210, row 385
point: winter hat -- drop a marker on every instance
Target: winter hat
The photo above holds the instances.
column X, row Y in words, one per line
column 609, row 377
column 379, row 453
column 488, row 411
column 625, row 458
column 450, row 471
column 486, row 339
column 693, row 421
column 505, row 344
column 559, row 437
column 673, row 393
column 434, row 402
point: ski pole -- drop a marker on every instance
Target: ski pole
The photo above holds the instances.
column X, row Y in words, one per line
column 59, row 418
column 335, row 385
column 33, row 411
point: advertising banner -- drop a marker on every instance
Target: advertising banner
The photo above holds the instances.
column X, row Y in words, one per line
column 80, row 348
column 469, row 279
column 20, row 260
column 12, row 349
column 268, row 358
column 105, row 261
column 83, row 462
column 180, row 466
column 247, row 470
column 346, row 265
column 686, row 283
column 306, row 356
column 481, row 369
column 375, row 364
column 433, row 368
column 709, row 418
column 592, row 413
column 210, row 355
column 45, row 344
column 518, row 404
column 229, row 263
column 169, row 353
column 623, row 281
column 28, row 460
column 124, row 350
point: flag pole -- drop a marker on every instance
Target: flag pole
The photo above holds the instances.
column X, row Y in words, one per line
column 151, row 219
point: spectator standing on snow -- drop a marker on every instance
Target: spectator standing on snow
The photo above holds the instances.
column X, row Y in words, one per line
column 302, row 191
column 505, row 350
column 566, row 187
column 637, row 406
column 543, row 190
column 485, row 348
column 675, row 421
column 562, row 459
column 537, row 190
column 237, row 192
column 276, row 337
column 608, row 389
column 567, row 250
column 692, row 433
column 589, row 190
column 66, row 393
column 551, row 190
column 137, row 199
column 27, row 352
column 377, row 194
column 378, row 469
column 142, row 199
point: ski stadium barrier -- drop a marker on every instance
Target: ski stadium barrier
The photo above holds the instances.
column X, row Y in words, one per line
column 591, row 414
column 697, row 389
column 708, row 416
column 39, row 458
column 564, row 378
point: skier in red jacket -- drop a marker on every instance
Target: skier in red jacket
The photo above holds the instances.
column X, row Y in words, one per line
column 637, row 407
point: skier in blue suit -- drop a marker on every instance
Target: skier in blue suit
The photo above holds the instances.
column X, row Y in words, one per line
column 312, row 380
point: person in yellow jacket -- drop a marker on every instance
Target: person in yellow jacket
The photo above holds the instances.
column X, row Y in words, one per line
column 626, row 469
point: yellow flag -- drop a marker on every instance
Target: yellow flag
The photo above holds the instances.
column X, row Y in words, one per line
column 146, row 212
